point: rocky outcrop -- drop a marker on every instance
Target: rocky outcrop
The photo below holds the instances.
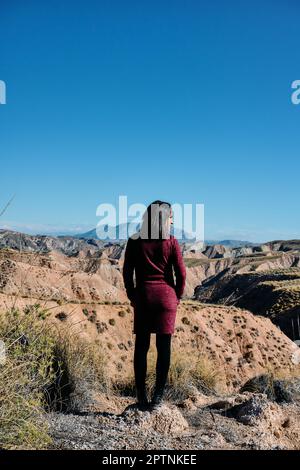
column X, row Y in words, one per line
column 164, row 420
column 215, row 251
column 258, row 411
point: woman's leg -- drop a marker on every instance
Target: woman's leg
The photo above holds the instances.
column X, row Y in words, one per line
column 142, row 343
column 163, row 346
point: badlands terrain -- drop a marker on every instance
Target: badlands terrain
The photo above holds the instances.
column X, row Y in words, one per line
column 238, row 321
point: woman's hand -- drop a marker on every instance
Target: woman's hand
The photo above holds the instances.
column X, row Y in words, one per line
column 133, row 299
column 130, row 296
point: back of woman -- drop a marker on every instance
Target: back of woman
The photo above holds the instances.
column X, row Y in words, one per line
column 156, row 295
column 152, row 258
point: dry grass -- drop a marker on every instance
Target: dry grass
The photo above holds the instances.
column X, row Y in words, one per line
column 84, row 370
column 24, row 376
column 185, row 373
column 277, row 384
column 44, row 368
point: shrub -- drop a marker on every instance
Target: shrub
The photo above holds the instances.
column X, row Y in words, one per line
column 36, row 310
column 101, row 326
column 184, row 373
column 24, row 376
column 45, row 368
column 93, row 317
column 84, row 370
column 62, row 316
column 112, row 321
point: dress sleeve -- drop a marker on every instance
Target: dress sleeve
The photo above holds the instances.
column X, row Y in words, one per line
column 179, row 268
column 128, row 268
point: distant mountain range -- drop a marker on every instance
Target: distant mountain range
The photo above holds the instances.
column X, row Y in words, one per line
column 231, row 243
column 120, row 232
column 93, row 237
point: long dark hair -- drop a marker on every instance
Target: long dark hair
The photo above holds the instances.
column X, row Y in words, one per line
column 155, row 225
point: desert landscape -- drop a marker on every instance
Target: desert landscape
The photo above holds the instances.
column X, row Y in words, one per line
column 169, row 117
column 234, row 381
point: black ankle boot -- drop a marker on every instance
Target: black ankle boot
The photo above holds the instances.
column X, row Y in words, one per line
column 157, row 398
column 142, row 399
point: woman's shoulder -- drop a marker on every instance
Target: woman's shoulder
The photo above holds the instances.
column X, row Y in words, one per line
column 136, row 237
column 173, row 239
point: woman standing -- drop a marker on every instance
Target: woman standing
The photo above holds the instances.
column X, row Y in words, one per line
column 151, row 255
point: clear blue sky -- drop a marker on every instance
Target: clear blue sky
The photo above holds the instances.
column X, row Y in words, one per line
column 187, row 101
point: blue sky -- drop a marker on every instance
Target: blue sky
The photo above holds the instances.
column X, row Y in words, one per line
column 187, row 101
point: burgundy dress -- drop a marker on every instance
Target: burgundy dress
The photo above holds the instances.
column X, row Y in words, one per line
column 156, row 295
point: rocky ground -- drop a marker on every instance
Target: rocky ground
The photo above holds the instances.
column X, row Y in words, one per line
column 241, row 421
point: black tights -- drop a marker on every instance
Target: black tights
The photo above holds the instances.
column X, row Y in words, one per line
column 163, row 346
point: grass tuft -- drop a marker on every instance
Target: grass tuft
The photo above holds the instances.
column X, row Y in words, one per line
column 44, row 368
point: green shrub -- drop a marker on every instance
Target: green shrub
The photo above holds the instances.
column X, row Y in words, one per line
column 62, row 316
column 93, row 317
column 46, row 368
column 24, row 377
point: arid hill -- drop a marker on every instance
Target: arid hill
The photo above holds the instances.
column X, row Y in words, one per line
column 271, row 293
column 237, row 344
column 261, row 278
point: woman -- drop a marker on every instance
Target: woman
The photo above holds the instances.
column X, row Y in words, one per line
column 151, row 255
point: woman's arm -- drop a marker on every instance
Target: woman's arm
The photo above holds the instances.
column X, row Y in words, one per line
column 179, row 268
column 128, row 269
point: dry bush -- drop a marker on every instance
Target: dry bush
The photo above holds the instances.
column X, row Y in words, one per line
column 186, row 372
column 84, row 370
column 24, row 376
column 45, row 368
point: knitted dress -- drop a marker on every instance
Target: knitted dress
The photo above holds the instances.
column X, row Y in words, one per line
column 155, row 294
